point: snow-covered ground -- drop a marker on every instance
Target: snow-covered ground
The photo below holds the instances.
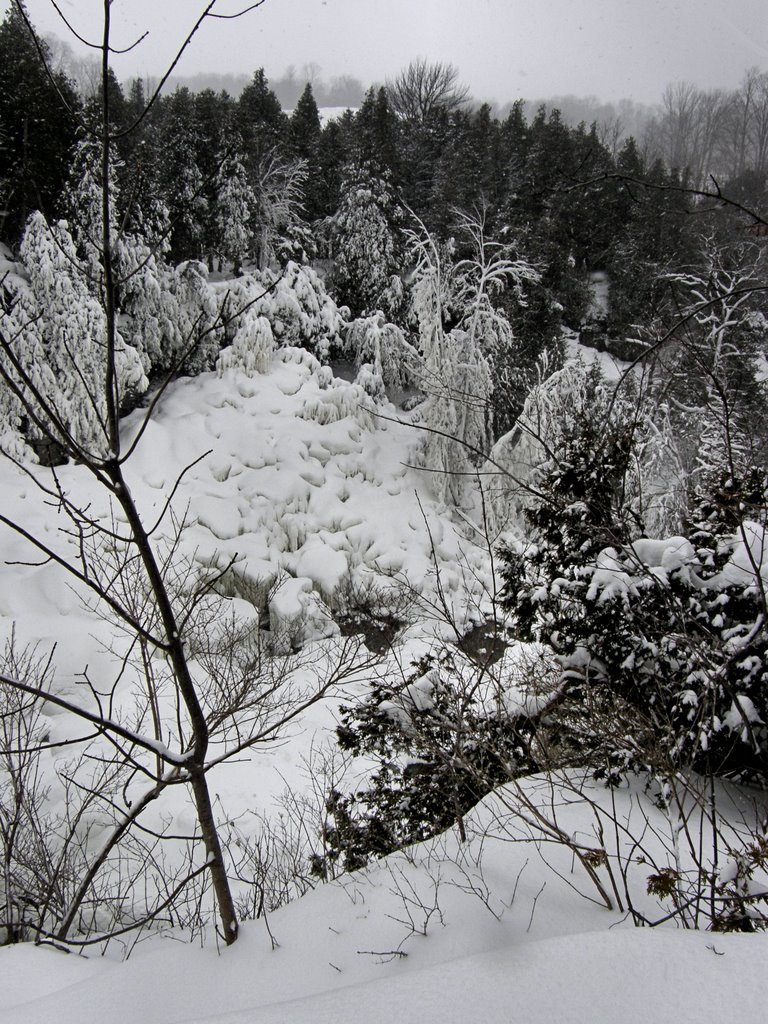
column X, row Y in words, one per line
column 300, row 489
column 295, row 481
column 505, row 928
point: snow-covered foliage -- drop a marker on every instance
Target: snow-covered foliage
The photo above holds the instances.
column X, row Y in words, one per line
column 148, row 308
column 278, row 189
column 58, row 339
column 654, row 486
column 715, row 365
column 235, row 205
column 84, row 204
column 193, row 316
column 384, row 348
column 490, row 269
column 365, row 244
column 665, row 637
column 147, row 299
column 728, row 329
column 440, row 738
column 463, row 337
column 252, row 347
column 296, row 304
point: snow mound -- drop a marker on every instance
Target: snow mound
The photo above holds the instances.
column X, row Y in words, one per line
column 288, row 475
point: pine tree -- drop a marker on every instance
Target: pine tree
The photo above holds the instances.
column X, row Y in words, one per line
column 305, row 134
column 660, row 643
column 38, row 119
column 366, row 243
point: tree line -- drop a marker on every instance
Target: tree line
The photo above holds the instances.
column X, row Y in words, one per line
column 240, row 178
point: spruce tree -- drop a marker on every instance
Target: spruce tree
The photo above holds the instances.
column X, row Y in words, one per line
column 260, row 120
column 305, row 134
column 38, row 118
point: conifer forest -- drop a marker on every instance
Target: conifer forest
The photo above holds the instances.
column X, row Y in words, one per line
column 383, row 543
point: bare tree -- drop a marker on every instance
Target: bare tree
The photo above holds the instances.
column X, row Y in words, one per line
column 423, row 88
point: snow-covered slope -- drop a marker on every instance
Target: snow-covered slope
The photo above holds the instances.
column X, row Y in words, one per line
column 501, row 929
column 295, row 481
column 288, row 474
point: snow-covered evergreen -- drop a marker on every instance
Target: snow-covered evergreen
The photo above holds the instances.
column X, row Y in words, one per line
column 59, row 339
column 366, row 245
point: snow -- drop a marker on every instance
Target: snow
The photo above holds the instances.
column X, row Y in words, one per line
column 499, row 929
column 600, row 287
column 611, row 367
column 601, row 977
column 305, row 497
column 297, row 481
column 297, row 615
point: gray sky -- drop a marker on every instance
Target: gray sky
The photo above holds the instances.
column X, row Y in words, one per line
column 503, row 48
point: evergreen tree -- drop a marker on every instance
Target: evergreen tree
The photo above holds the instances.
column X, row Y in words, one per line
column 62, row 353
column 175, row 142
column 376, row 135
column 260, row 120
column 305, row 134
column 333, row 156
column 83, row 206
column 139, row 241
column 305, row 126
column 214, row 119
column 513, row 144
column 235, row 206
column 366, row 244
column 38, row 119
column 660, row 643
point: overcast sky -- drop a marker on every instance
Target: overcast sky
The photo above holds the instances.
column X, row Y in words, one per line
column 503, row 48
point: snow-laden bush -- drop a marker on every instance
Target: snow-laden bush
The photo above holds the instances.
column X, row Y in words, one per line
column 57, row 339
column 371, row 341
column 662, row 644
column 296, row 304
column 193, row 319
column 441, row 739
column 252, row 347
column 147, row 306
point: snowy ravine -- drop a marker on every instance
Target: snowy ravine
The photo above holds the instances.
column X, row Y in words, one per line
column 312, row 495
column 296, row 481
